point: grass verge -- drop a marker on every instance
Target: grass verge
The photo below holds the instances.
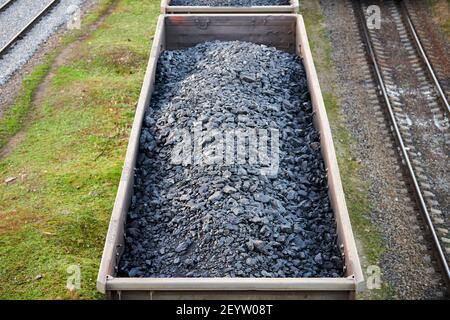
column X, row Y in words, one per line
column 54, row 214
column 355, row 187
column 441, row 14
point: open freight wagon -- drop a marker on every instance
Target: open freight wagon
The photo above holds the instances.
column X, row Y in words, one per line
column 285, row 32
column 167, row 7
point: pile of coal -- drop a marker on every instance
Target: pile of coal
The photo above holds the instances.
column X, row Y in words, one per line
column 194, row 218
column 229, row 3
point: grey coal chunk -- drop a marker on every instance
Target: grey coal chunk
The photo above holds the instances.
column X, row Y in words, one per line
column 251, row 261
column 229, row 189
column 215, row 196
column 286, row 228
column 203, row 189
column 185, row 197
column 291, row 195
column 134, row 272
column 257, row 245
column 183, row 246
column 261, row 197
column 318, row 258
column 193, row 219
column 248, row 78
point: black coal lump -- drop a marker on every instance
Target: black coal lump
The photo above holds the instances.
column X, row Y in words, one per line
column 217, row 220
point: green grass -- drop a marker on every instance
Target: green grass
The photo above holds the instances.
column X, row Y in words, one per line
column 55, row 214
column 356, row 189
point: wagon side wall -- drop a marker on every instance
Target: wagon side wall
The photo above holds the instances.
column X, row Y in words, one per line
column 115, row 236
column 185, row 30
column 233, row 295
column 336, row 192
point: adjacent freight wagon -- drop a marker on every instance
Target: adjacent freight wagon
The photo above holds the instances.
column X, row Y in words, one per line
column 168, row 7
column 285, row 32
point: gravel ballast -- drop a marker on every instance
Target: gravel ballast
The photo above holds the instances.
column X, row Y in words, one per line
column 218, row 220
column 229, row 3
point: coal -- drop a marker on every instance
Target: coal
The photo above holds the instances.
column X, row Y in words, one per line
column 229, row 3
column 194, row 219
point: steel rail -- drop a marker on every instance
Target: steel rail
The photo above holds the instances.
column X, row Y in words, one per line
column 426, row 215
column 424, row 56
column 25, row 29
column 6, row 5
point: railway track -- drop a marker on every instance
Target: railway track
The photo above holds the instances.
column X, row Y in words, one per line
column 6, row 5
column 424, row 57
column 409, row 112
column 432, row 41
column 19, row 35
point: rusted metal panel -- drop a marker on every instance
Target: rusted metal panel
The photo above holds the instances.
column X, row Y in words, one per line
column 188, row 30
column 166, row 8
column 230, row 295
column 291, row 36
